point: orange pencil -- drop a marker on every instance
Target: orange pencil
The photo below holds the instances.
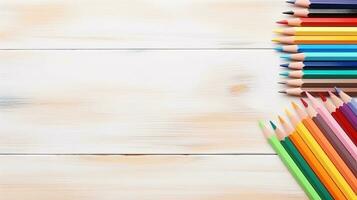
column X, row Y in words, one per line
column 327, row 147
column 312, row 161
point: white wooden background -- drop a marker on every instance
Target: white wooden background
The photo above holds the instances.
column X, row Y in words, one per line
column 139, row 99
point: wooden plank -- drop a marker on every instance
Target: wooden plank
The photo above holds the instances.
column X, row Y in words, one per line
column 146, row 178
column 137, row 101
column 138, row 23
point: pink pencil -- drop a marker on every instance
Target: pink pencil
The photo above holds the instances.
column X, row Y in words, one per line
column 335, row 127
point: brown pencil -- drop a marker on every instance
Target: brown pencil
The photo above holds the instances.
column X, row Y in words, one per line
column 326, row 145
column 322, row 83
column 331, row 137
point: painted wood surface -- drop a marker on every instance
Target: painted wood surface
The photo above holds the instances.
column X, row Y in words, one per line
column 138, row 23
column 146, row 178
column 137, row 101
column 83, row 78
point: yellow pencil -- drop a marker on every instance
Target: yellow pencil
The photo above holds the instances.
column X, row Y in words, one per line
column 347, row 39
column 331, row 31
column 322, row 157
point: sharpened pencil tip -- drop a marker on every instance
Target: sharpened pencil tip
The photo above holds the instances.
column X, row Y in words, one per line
column 286, row 56
column 309, row 96
column 282, row 91
column 286, row 65
column 278, row 31
column 288, row 113
column 304, row 103
column 290, row 1
column 272, row 125
column 275, row 40
column 288, row 12
column 282, row 82
column 322, row 97
column 338, row 90
column 278, row 48
column 282, row 121
column 284, row 74
column 295, row 106
column 285, row 22
column 261, row 124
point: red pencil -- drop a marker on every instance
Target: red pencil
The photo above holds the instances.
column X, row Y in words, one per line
column 340, row 118
column 320, row 22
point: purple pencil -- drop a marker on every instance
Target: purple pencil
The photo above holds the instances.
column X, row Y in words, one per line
column 351, row 102
column 351, row 117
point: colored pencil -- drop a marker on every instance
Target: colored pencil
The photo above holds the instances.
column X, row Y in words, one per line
column 325, row 4
column 343, row 13
column 349, row 39
column 315, row 91
column 289, row 163
column 302, row 48
column 346, row 111
column 339, row 117
column 331, row 74
column 321, row 83
column 331, row 137
column 312, row 22
column 312, row 160
column 301, row 163
column 319, row 31
column 352, row 103
column 331, row 122
column 322, row 65
column 321, row 156
column 327, row 147
column 323, row 56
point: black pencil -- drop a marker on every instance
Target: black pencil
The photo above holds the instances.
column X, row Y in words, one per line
column 323, row 13
column 325, row 4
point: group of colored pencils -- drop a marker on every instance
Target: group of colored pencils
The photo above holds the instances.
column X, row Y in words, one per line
column 319, row 145
column 320, row 43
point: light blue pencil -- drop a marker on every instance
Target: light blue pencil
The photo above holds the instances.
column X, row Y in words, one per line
column 323, row 56
column 317, row 48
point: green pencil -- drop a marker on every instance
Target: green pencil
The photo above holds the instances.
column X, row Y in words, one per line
column 330, row 74
column 289, row 163
column 301, row 163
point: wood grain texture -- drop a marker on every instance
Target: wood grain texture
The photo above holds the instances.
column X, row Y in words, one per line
column 146, row 178
column 137, row 101
column 138, row 23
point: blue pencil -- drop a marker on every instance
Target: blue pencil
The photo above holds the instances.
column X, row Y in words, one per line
column 346, row 65
column 317, row 48
column 322, row 56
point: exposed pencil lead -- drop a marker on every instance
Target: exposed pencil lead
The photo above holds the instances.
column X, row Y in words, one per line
column 278, row 31
column 275, row 40
column 272, row 125
column 288, row 12
column 290, row 1
column 322, row 96
column 282, row 121
column 288, row 113
column 282, row 82
column 295, row 106
column 282, row 91
column 284, row 74
column 278, row 48
column 286, row 56
column 285, row 22
column 304, row 102
column 338, row 90
column 261, row 124
column 286, row 65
